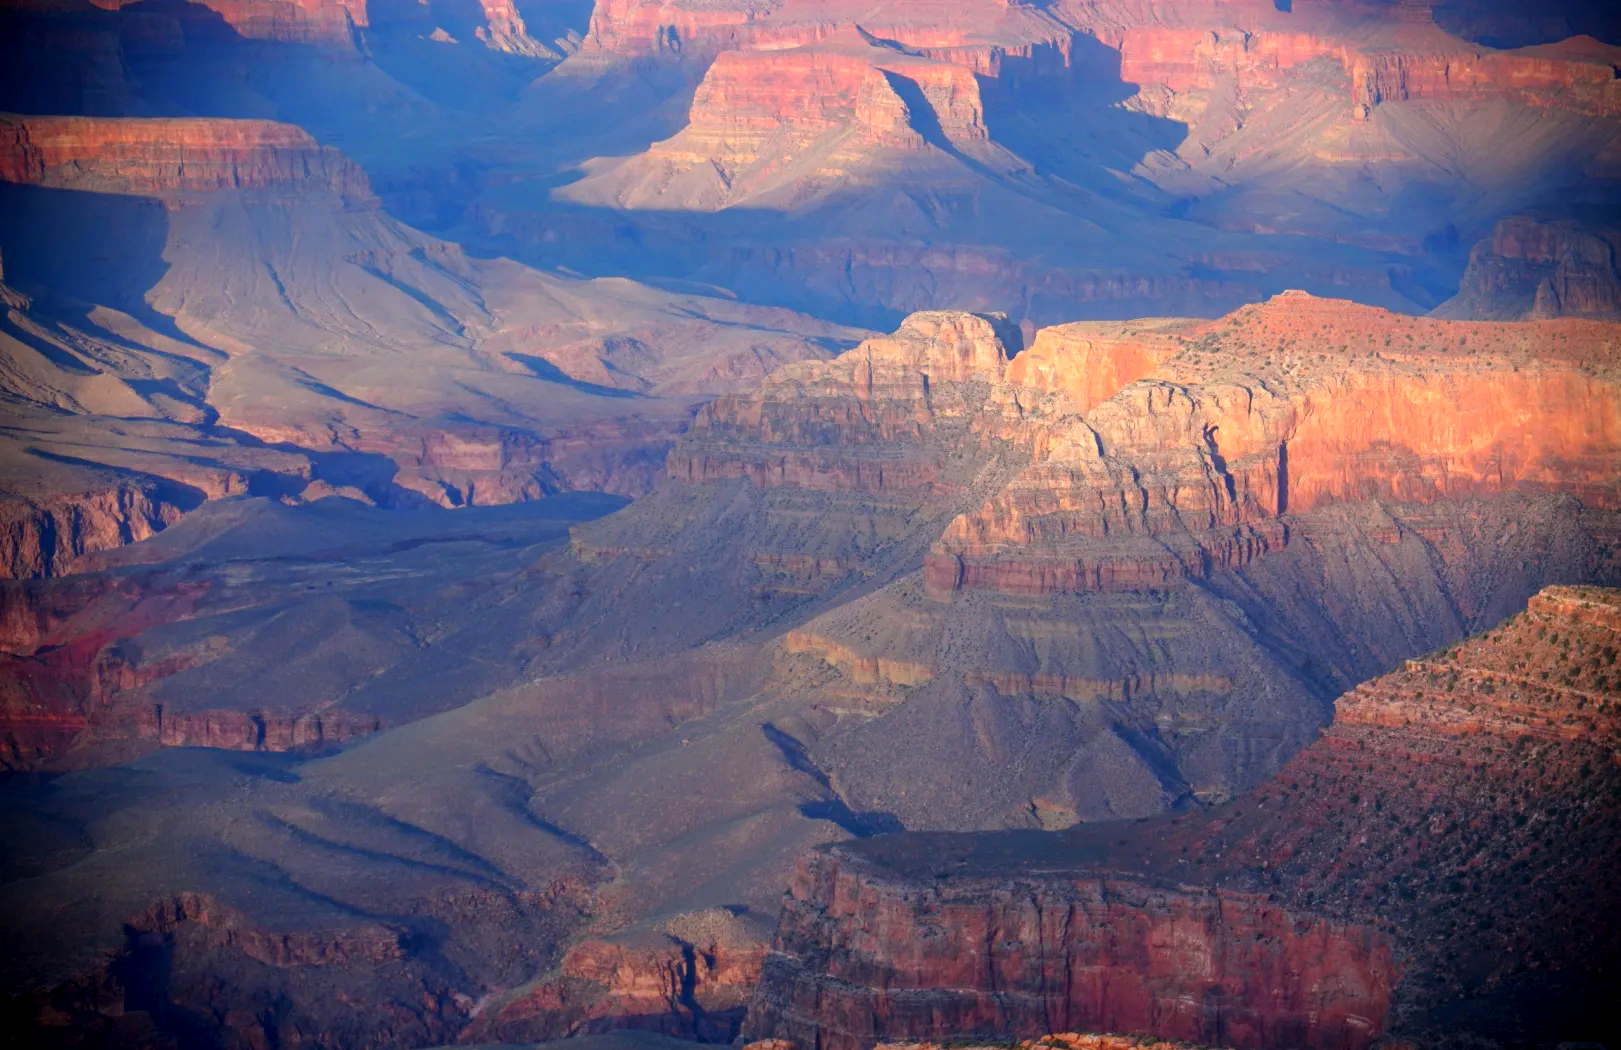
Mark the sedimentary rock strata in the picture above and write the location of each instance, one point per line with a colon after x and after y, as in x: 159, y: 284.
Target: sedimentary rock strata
x: 1400, y: 63
x: 691, y: 977
x: 979, y: 35
x: 183, y: 393
x: 971, y: 957
x: 329, y: 23
x: 1227, y: 108
x: 1536, y: 267
x: 167, y: 156
x: 758, y: 637
x: 1291, y: 406
x: 43, y: 536
x: 1430, y: 857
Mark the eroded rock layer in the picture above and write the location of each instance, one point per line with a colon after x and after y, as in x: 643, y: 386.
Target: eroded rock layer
x: 1286, y: 407
x: 329, y: 23
x: 1533, y: 267
x: 264, y: 328
x: 164, y: 157
x: 1431, y: 858
x: 757, y: 638
x: 975, y: 957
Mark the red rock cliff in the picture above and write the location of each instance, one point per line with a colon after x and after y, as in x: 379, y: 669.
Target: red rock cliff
x: 1286, y: 407
x: 980, y: 35
x: 169, y: 156
x: 41, y: 536
x: 1390, y: 63
x: 859, y: 957
x: 865, y: 421
x: 1533, y: 267
x: 691, y: 980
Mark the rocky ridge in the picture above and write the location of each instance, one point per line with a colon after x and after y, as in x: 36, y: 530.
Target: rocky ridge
x: 162, y: 157
x: 1361, y: 87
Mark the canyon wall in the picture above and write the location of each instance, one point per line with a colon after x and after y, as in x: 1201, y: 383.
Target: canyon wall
x: 42, y: 535
x: 1422, y: 869
x: 1552, y: 81
x: 1394, y: 64
x: 329, y: 23
x: 1307, y: 403
x: 864, y: 422
x: 162, y: 157
x: 1538, y: 267
x: 859, y: 958
x: 980, y: 36
x: 769, y: 124
x: 691, y: 979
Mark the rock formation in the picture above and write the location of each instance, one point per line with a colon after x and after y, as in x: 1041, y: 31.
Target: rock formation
x: 1533, y: 267
x: 691, y: 978
x: 302, y: 771
x: 1191, y: 472
x: 255, y: 326
x: 784, y: 126
x: 43, y: 536
x: 1402, y: 64
x: 165, y: 157
x: 1010, y: 956
x: 764, y: 637
x: 322, y: 22
x: 1420, y: 869
x: 807, y: 115
x: 980, y: 35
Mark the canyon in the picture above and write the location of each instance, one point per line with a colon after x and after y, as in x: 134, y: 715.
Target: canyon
x: 311, y: 392
x: 1419, y: 869
x: 767, y: 635
x: 820, y: 525
x: 1194, y: 123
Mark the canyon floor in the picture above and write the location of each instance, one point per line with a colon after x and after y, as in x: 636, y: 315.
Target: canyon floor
x: 817, y: 524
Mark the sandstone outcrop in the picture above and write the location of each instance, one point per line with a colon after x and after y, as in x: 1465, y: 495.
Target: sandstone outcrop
x: 504, y: 30
x: 981, y: 36
x: 786, y: 125
x: 227, y: 929
x: 1542, y: 77
x: 1419, y: 67
x: 1427, y: 859
x: 863, y: 422
x: 860, y: 959
x: 849, y: 458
